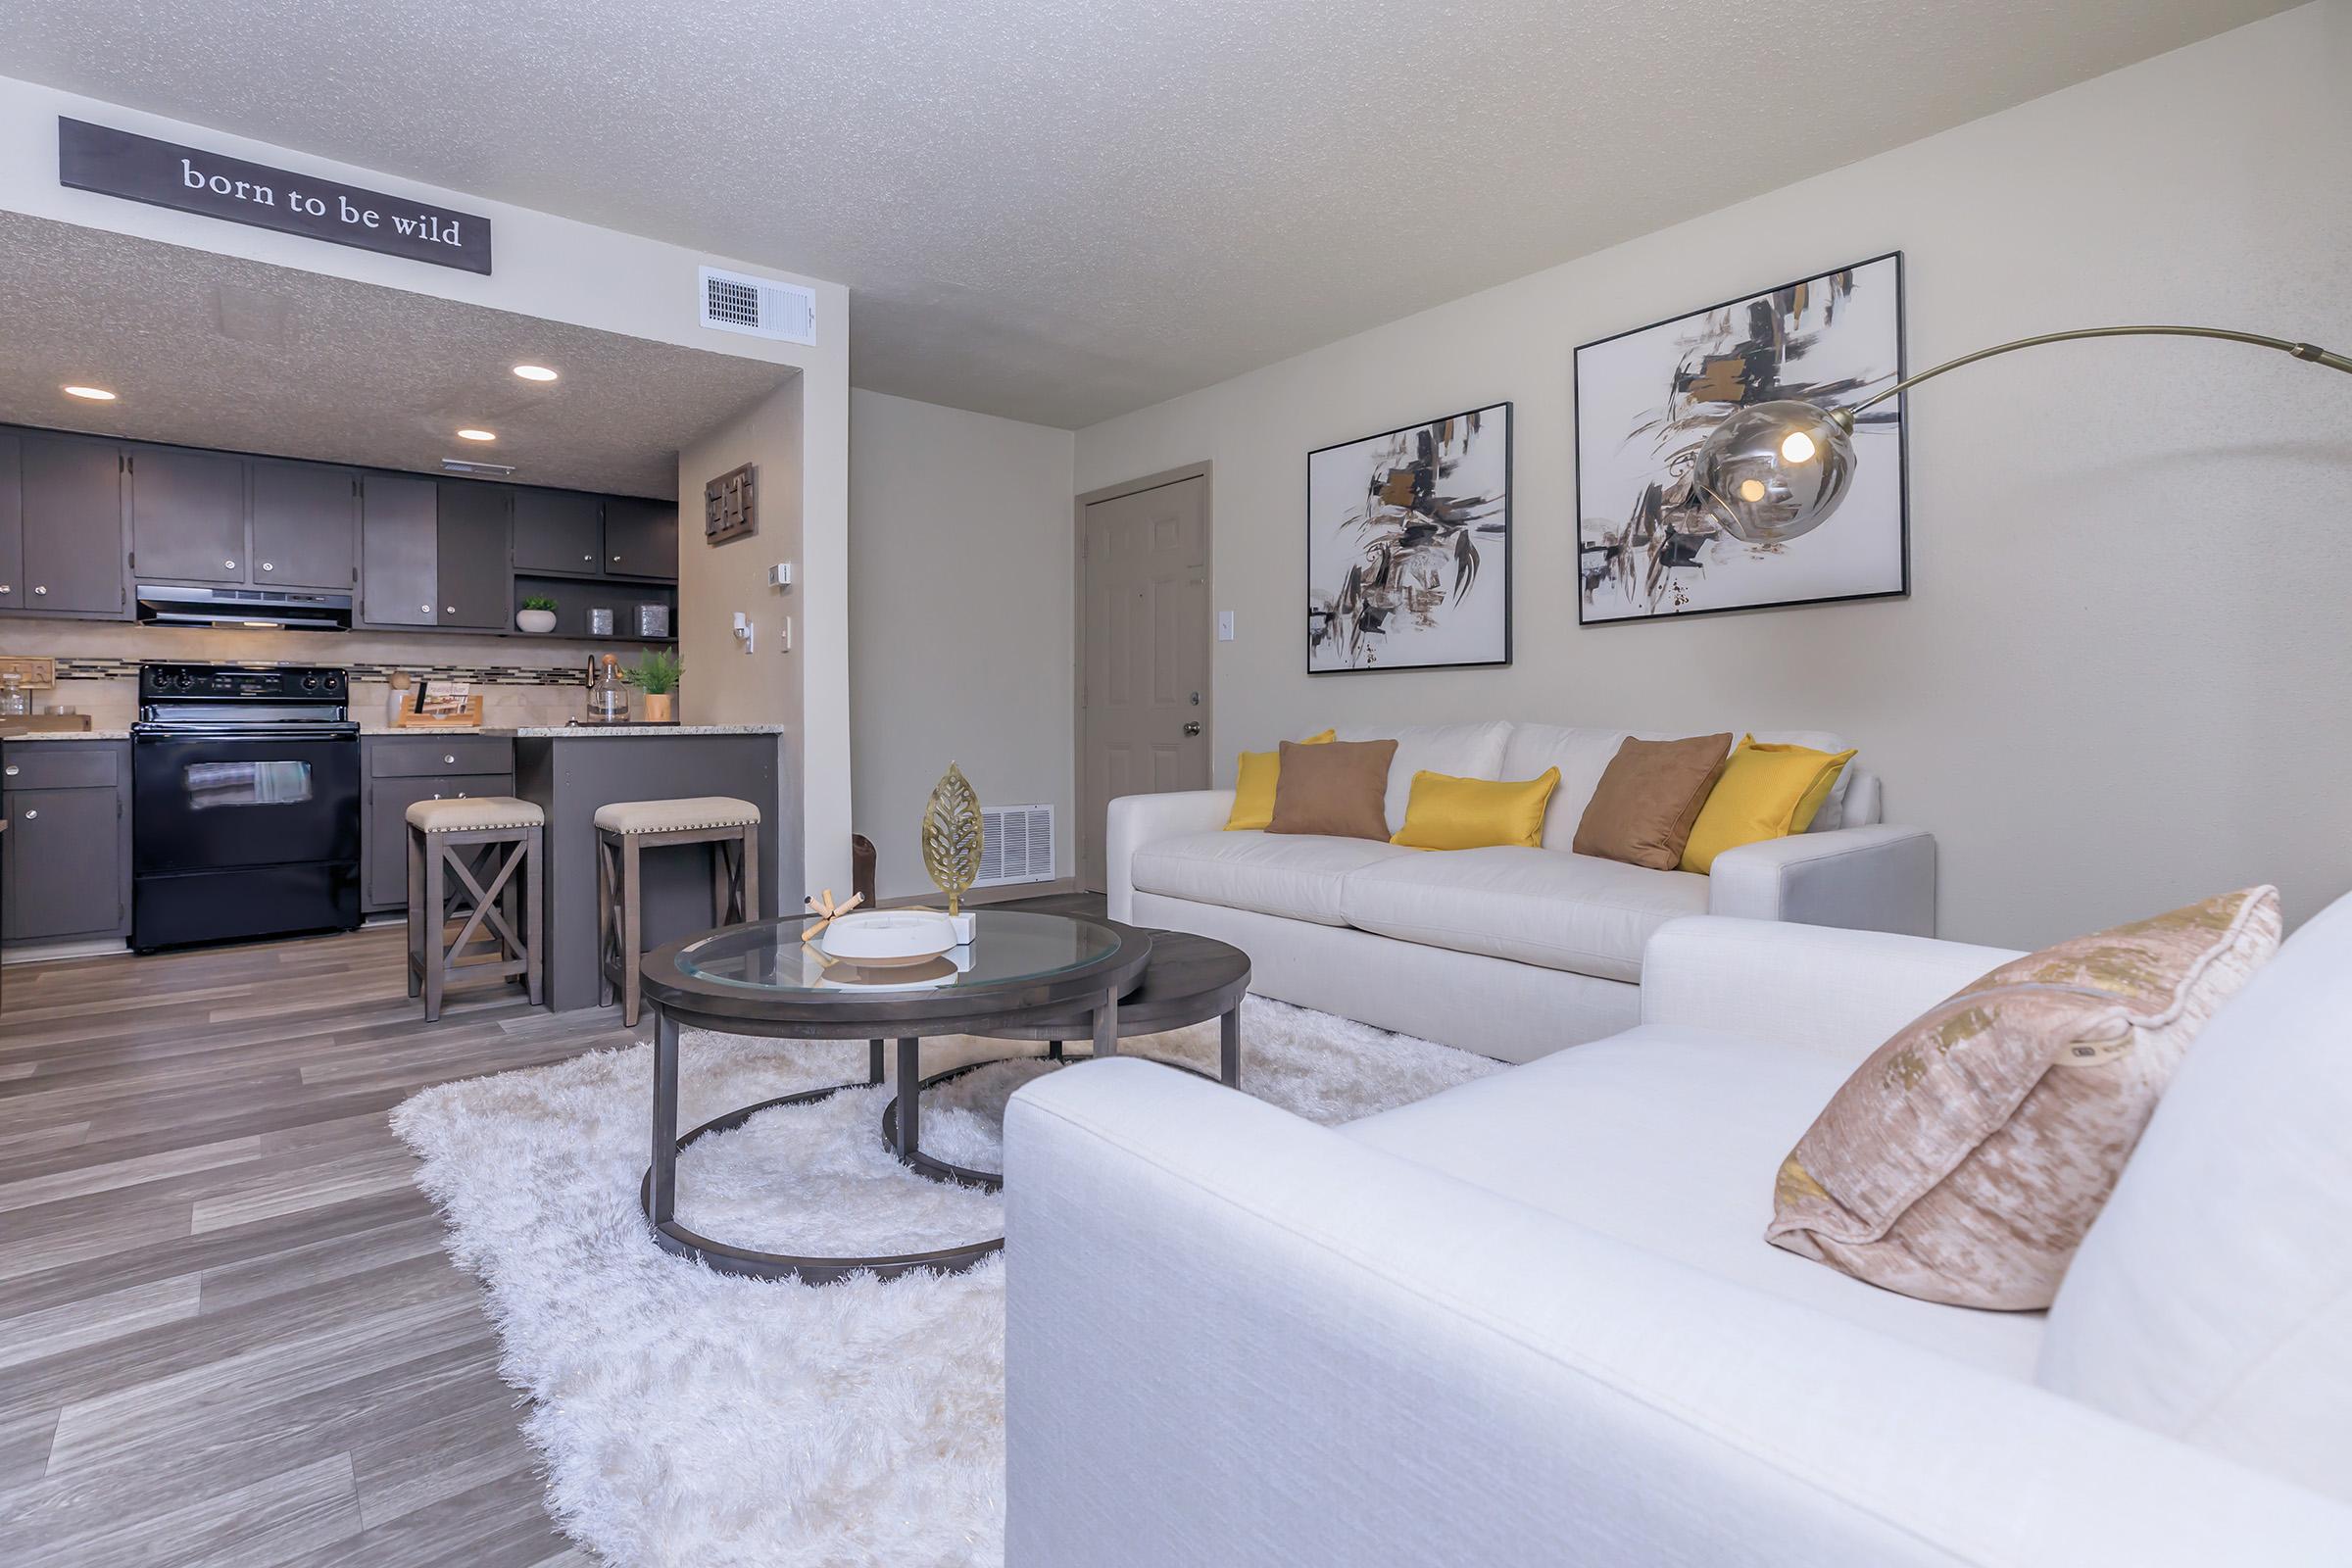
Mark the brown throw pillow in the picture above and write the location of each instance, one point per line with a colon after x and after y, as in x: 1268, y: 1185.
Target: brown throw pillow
x: 1648, y: 798
x: 1340, y: 788
x: 1968, y: 1157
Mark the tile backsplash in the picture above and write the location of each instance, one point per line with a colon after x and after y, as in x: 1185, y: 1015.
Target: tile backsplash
x: 522, y: 682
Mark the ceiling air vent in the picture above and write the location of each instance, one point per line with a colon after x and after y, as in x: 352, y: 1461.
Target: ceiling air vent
x: 1017, y: 845
x: 485, y: 471
x: 758, y: 307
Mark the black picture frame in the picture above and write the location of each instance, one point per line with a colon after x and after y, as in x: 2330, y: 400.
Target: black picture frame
x: 1902, y: 408
x: 1509, y: 539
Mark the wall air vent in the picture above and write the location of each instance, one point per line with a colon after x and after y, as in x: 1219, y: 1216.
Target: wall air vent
x: 1017, y: 845
x: 484, y: 470
x: 758, y: 307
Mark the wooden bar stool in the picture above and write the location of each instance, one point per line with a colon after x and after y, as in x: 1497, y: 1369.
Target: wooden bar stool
x: 731, y: 827
x: 490, y: 845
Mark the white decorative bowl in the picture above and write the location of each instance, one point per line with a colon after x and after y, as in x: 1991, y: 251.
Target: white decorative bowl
x: 538, y: 620
x: 881, y: 936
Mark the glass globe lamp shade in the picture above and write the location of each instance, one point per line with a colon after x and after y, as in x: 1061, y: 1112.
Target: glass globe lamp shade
x: 1773, y: 472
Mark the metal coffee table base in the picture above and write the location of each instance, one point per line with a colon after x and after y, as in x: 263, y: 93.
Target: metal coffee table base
x: 658, y: 1194
x: 902, y: 1132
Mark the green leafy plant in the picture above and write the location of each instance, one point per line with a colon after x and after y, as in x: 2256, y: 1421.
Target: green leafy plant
x: 538, y: 601
x: 656, y: 672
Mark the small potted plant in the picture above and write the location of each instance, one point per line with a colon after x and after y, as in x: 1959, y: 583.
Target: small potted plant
x: 656, y: 675
x: 538, y: 614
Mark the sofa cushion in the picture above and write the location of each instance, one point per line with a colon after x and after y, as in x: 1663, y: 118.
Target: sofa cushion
x: 1664, y: 1137
x: 1465, y: 751
x: 2212, y: 1299
x: 1296, y: 876
x: 1562, y: 911
x: 1652, y: 794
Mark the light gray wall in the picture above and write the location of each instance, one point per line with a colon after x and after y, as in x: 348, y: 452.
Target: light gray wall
x: 960, y: 613
x: 719, y: 683
x: 2120, y: 681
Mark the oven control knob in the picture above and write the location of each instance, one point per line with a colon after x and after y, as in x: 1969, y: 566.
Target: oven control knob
x: 310, y: 682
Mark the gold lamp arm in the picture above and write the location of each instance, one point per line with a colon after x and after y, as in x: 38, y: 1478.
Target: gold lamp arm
x: 2311, y: 352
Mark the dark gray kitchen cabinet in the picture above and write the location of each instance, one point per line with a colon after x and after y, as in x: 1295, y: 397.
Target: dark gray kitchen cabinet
x: 398, y: 549
x: 11, y: 519
x: 75, y: 551
x: 641, y: 538
x: 474, y: 554
x: 66, y: 855
x: 402, y: 771
x: 305, y: 525
x: 188, y: 514
x: 557, y: 533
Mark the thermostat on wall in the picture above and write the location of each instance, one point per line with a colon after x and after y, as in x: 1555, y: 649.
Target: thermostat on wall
x: 779, y: 575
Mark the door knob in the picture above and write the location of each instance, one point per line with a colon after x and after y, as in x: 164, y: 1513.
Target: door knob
x: 1192, y: 727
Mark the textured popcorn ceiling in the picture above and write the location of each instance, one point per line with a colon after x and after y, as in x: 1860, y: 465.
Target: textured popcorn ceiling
x: 1061, y: 210
x: 215, y: 350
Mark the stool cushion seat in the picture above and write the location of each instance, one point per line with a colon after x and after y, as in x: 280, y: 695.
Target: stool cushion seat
x: 475, y: 813
x: 676, y: 816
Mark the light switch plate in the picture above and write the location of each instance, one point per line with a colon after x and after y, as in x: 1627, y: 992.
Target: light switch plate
x: 1224, y: 626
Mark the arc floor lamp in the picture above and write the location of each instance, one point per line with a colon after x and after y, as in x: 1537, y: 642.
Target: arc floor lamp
x: 1777, y: 470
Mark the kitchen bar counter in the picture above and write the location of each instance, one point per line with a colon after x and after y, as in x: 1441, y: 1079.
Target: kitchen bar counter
x: 69, y: 735
x: 569, y: 772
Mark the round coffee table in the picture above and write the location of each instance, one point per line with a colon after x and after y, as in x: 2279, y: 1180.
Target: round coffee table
x: 1025, y: 976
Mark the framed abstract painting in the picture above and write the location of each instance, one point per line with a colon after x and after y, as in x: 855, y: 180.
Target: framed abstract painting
x: 1648, y: 548
x: 1409, y: 547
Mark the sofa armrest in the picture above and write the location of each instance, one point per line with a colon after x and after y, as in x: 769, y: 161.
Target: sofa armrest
x: 1140, y: 819
x: 1838, y: 993
x: 1864, y: 878
x: 1237, y: 1338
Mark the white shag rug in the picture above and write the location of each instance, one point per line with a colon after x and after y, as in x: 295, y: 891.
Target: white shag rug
x: 687, y: 1417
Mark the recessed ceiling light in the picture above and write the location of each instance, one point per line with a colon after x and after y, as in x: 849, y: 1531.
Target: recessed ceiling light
x: 96, y: 394
x: 478, y: 435
x: 534, y: 372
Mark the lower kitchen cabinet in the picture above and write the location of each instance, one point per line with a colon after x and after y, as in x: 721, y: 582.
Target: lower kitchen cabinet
x: 66, y: 855
x: 402, y: 771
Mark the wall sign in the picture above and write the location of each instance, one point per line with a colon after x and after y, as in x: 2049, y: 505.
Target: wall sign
x: 731, y: 506
x: 189, y: 179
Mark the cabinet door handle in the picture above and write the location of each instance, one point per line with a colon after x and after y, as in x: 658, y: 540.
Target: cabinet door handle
x: 39, y: 589
x: 31, y: 814
x: 616, y: 560
x: 3, y: 587
x: 587, y: 557
x: 11, y: 771
x: 450, y: 760
x: 268, y: 565
x: 450, y: 610
x: 427, y: 608
x: 230, y: 565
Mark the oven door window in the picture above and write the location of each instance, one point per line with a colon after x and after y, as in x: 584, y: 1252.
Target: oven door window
x: 214, y: 786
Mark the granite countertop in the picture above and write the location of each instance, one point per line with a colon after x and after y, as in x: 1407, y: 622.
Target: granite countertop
x: 563, y: 732
x: 69, y: 735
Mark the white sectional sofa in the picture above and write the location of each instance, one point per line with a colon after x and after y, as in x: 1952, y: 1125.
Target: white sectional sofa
x: 1507, y: 952
x: 1533, y: 1320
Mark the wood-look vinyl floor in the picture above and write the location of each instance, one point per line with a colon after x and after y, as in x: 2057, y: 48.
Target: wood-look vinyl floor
x: 229, y: 1335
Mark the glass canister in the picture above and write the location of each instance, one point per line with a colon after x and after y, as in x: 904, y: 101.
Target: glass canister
x: 14, y: 704
x: 607, y: 696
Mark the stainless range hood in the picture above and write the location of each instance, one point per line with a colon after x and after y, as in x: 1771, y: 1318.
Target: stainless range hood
x: 171, y: 605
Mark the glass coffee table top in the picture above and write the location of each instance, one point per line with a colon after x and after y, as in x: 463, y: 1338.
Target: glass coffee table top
x: 1008, y: 947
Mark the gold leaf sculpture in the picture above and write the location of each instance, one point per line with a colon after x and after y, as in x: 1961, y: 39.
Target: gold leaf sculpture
x: 953, y: 836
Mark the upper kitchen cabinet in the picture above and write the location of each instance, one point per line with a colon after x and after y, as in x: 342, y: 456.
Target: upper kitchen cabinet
x: 72, y: 524
x: 641, y: 538
x: 188, y: 514
x: 305, y: 523
x: 557, y: 533
x: 475, y: 565
x: 11, y: 519
x: 398, y: 549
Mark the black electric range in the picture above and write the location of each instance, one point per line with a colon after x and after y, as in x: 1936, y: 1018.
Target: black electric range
x: 245, y: 804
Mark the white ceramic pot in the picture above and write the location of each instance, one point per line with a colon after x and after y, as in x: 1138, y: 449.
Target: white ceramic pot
x: 539, y: 620
x: 888, y: 937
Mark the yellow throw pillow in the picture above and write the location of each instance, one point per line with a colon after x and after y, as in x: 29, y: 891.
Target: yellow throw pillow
x: 1766, y: 792
x: 1444, y: 813
x: 1254, y: 784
